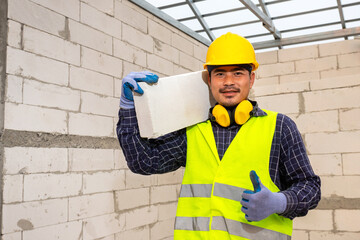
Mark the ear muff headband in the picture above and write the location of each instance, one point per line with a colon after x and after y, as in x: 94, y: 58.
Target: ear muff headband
x: 226, y: 117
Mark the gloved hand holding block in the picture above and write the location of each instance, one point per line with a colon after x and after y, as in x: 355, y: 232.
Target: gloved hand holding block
x: 173, y: 103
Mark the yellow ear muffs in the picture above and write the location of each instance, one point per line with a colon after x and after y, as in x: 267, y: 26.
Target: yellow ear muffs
x: 221, y: 115
x: 242, y: 112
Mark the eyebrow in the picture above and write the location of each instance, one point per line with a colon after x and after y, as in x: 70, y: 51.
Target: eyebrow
x: 232, y: 70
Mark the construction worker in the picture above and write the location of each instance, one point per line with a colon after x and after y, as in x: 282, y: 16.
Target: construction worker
x: 247, y: 174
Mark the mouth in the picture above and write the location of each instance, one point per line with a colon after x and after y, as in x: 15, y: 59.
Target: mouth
x: 229, y: 92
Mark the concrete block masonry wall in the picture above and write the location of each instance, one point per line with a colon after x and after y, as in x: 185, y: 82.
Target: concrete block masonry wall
x: 319, y: 88
x: 63, y: 174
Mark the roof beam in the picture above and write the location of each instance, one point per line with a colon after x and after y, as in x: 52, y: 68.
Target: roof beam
x: 201, y: 20
x: 308, y: 38
x: 165, y: 17
x: 267, y: 22
x: 341, y: 13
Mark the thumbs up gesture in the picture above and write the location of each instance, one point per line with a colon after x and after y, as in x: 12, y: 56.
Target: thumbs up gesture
x: 261, y: 202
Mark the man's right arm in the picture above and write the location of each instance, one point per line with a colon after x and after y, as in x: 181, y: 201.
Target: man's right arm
x: 149, y: 156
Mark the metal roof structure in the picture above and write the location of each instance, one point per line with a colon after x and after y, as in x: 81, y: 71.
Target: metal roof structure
x: 267, y: 24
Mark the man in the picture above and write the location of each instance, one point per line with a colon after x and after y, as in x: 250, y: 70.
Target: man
x: 247, y: 174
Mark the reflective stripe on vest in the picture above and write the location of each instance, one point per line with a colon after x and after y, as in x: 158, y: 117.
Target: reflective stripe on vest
x: 192, y: 223
x: 204, y: 190
x: 196, y: 190
x: 245, y: 230
x: 232, y: 227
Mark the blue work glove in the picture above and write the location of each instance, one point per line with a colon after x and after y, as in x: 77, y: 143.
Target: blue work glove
x: 261, y: 202
x: 130, y: 83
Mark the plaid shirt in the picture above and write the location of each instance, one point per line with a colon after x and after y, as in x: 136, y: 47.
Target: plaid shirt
x: 290, y: 168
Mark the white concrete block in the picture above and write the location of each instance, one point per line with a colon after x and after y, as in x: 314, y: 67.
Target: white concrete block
x: 137, y: 38
x: 173, y: 103
x: 49, y: 95
x: 91, y: 205
x: 64, y: 231
x: 37, y: 118
x: 42, y: 186
x: 14, y: 88
x: 12, y: 236
x: 14, y: 34
x: 139, y: 197
x: 90, y: 37
x: 131, y: 16
x: 104, y: 181
x: 69, y: 8
x: 142, y: 233
x: 141, y: 216
x: 12, y: 190
x: 82, y: 159
x: 129, y: 53
x: 29, y: 215
x: 35, y: 67
x: 38, y: 42
x: 101, y: 62
x: 99, y: 105
x: 100, y: 21
x: 106, y: 6
x: 97, y: 227
x: 98, y: 126
x: 23, y: 160
x: 33, y: 15
x: 83, y: 79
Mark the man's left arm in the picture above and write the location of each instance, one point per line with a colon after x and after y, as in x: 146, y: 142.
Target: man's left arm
x: 298, y: 182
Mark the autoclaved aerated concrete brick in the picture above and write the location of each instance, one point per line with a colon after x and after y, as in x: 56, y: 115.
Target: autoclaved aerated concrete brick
x: 132, y: 17
x: 68, y: 230
x: 315, y: 220
x: 90, y: 37
x: 14, y: 34
x: 12, y: 188
x: 38, y: 42
x: 85, y: 206
x: 99, y: 20
x: 28, y: 160
x: 105, y: 225
x: 106, y: 6
x: 81, y: 159
x: 23, y: 11
x: 41, y: 186
x: 37, y: 118
x: 173, y: 103
x: 29, y: 215
x: 33, y: 66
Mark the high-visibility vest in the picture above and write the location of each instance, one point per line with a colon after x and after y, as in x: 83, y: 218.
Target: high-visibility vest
x: 209, y: 202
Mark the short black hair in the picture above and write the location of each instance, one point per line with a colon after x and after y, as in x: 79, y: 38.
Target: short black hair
x: 247, y: 67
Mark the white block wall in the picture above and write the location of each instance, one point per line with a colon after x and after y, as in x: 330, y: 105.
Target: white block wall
x: 64, y: 65
x: 64, y: 175
x: 318, y: 86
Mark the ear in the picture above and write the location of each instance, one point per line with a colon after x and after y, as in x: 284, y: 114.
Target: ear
x: 252, y: 79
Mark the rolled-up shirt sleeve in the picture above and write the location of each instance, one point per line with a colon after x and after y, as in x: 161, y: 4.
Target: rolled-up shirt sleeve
x: 149, y: 156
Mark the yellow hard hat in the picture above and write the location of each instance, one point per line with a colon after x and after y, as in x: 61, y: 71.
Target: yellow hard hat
x: 231, y: 49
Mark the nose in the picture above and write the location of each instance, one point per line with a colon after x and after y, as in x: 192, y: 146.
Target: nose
x: 228, y: 79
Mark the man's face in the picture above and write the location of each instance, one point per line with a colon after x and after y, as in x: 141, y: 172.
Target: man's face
x: 230, y: 84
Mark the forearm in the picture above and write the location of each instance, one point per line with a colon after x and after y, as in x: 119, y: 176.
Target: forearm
x: 149, y: 156
x: 302, y: 197
x: 299, y: 183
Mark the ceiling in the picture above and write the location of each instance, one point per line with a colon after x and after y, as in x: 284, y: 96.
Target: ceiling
x: 267, y: 24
